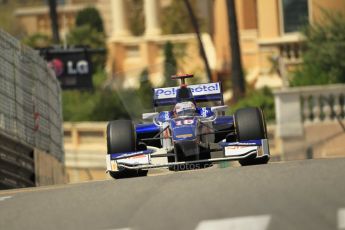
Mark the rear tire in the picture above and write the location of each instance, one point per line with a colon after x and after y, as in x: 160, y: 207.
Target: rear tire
x: 121, y: 137
x: 250, y: 125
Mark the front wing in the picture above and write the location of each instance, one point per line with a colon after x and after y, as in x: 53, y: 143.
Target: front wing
x: 157, y: 158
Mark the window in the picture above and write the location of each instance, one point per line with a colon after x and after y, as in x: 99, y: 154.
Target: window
x: 295, y: 15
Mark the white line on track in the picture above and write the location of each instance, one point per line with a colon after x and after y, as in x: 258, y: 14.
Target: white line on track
x: 341, y: 218
x: 238, y: 223
x: 5, y: 198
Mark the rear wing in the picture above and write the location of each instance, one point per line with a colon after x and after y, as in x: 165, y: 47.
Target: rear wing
x: 201, y: 92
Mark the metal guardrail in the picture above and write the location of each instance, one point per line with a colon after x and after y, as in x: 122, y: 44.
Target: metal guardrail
x: 30, y: 105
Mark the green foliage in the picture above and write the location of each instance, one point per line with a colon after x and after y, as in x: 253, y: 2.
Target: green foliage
x: 98, y: 105
x: 324, y: 60
x: 85, y: 35
x: 101, y: 104
x: 37, y: 40
x: 170, y: 64
x: 88, y: 31
x: 262, y: 98
x: 105, y: 104
x: 91, y: 17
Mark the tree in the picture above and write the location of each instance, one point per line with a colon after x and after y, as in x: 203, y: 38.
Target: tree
x: 324, y: 59
x: 170, y: 64
x: 54, y: 21
x: 98, y: 105
x: 145, y: 91
x: 87, y: 36
x: 90, y: 16
x: 89, y: 32
x: 175, y: 17
x: 238, y: 82
x: 197, y: 31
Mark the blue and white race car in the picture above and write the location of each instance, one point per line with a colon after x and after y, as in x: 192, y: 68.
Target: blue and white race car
x: 188, y: 136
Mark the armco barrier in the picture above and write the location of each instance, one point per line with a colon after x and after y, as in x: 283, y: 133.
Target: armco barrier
x: 30, y: 114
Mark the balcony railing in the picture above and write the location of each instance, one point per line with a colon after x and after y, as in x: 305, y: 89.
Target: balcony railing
x: 320, y: 104
x: 302, y: 105
x: 288, y: 51
x: 290, y: 48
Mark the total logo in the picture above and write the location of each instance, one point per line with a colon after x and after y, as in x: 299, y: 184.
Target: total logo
x: 197, y: 90
x: 80, y: 67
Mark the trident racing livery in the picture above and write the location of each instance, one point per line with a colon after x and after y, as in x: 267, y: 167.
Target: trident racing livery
x: 187, y: 136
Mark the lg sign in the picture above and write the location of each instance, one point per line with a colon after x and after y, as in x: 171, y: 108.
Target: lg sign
x: 80, y: 67
x: 72, y: 66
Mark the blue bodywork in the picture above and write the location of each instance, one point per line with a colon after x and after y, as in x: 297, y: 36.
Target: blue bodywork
x: 221, y: 123
x: 184, y: 129
x: 117, y: 156
x: 225, y: 121
x: 146, y: 128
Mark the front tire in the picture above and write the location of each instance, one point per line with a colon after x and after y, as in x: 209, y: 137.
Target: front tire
x: 121, y: 137
x: 128, y: 173
x: 250, y: 125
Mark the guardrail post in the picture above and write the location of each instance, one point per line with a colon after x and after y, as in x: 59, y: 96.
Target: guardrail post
x: 289, y: 127
x: 288, y: 114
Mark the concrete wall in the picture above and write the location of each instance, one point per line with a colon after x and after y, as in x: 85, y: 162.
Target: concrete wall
x: 30, y: 116
x: 49, y: 170
x: 326, y: 139
x: 322, y: 140
x: 85, y: 149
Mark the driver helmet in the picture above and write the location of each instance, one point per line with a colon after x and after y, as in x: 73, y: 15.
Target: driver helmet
x: 186, y: 108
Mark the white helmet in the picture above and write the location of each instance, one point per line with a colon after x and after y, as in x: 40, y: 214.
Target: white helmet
x: 186, y: 108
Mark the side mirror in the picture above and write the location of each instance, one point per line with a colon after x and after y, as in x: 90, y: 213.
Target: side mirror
x: 147, y: 116
x: 221, y: 108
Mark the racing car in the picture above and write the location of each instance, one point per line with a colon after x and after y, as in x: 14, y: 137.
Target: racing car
x: 187, y: 136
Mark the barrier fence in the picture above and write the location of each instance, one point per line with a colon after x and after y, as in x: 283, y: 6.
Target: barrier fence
x: 30, y: 111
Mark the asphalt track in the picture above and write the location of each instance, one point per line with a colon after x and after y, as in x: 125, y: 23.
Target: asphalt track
x: 293, y: 195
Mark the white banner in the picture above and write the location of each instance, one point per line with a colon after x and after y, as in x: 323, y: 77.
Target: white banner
x: 197, y: 90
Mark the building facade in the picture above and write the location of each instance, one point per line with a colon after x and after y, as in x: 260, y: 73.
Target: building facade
x: 270, y: 40
x: 268, y: 30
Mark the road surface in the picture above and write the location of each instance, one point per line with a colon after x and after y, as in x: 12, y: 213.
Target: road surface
x: 292, y: 195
